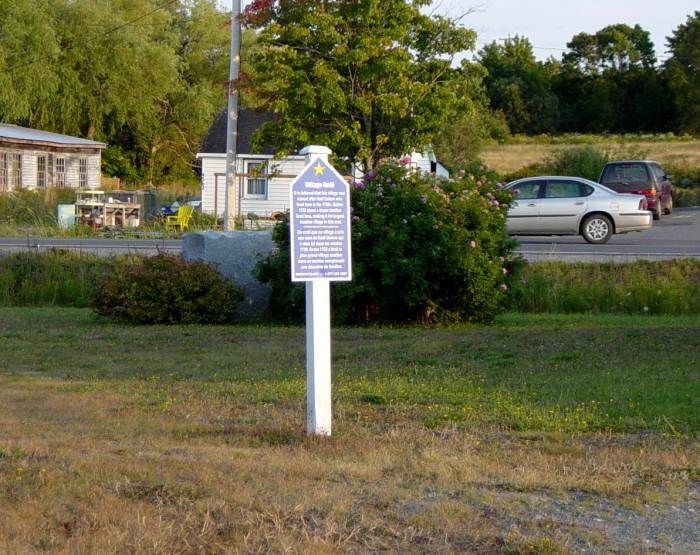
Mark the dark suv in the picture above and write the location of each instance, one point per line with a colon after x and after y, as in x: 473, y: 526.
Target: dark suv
x: 641, y: 177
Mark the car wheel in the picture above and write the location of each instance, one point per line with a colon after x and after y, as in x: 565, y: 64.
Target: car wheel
x: 669, y: 208
x: 657, y: 213
x: 597, y: 229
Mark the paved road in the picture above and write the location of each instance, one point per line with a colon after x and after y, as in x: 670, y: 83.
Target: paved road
x: 675, y: 236
x: 99, y: 247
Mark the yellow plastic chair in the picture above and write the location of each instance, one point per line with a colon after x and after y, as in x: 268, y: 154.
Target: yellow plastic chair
x: 181, y: 220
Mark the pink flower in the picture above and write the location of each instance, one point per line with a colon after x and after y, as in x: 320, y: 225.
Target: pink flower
x: 504, y: 270
x: 405, y: 160
x: 472, y: 244
x: 503, y: 287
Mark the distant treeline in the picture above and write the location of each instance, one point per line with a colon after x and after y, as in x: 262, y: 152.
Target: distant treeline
x: 607, y: 82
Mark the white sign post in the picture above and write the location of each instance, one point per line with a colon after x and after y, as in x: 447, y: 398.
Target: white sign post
x: 320, y: 248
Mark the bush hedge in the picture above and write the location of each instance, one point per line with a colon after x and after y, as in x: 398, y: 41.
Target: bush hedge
x: 165, y: 289
x: 424, y: 250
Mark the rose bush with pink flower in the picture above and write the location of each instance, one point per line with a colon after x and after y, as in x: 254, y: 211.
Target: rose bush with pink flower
x: 425, y: 249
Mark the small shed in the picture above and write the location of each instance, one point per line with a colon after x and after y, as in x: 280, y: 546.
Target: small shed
x: 35, y: 159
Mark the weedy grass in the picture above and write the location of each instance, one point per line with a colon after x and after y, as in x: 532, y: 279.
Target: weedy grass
x: 188, y: 438
x: 642, y: 287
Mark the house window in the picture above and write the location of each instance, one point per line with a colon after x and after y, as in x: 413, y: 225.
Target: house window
x: 256, y: 180
x: 83, y: 173
x: 17, y: 171
x: 60, y: 172
x: 41, y: 171
x: 3, y: 171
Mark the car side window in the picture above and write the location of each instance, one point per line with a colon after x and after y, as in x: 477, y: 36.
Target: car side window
x: 563, y: 189
x: 658, y: 172
x: 527, y: 190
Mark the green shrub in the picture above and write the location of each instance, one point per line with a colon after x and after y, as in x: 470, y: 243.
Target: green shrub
x: 643, y: 287
x: 424, y: 250
x: 166, y: 290
x: 58, y: 278
x: 686, y: 197
x: 585, y: 161
x: 683, y: 175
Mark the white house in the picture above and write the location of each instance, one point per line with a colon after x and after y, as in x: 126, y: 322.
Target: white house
x: 34, y: 159
x: 264, y: 187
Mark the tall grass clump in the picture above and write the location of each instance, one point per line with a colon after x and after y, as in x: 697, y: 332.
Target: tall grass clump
x: 33, y: 208
x: 642, y: 287
x: 52, y: 278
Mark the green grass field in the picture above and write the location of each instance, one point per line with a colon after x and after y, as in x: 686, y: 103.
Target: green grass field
x: 182, y: 439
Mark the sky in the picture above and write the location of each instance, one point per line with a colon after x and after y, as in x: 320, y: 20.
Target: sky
x: 550, y: 24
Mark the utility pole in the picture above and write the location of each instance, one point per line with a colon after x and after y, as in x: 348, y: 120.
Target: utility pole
x: 231, y: 206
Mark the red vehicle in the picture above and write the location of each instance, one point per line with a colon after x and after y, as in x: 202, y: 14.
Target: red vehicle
x: 641, y: 177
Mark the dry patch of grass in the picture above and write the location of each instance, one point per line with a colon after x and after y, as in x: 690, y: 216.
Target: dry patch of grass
x: 95, y: 471
x: 196, y: 444
x: 508, y: 158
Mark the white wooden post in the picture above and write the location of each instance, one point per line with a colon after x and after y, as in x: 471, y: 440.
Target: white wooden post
x: 318, y: 340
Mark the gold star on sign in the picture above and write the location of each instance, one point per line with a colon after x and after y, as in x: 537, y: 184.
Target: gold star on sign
x: 318, y: 168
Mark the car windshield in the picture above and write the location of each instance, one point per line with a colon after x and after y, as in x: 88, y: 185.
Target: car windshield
x: 626, y: 176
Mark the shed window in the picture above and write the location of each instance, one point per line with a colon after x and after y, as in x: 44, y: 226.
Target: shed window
x: 83, y: 173
x: 17, y: 171
x: 41, y: 171
x: 60, y: 172
x: 3, y: 171
x: 256, y: 180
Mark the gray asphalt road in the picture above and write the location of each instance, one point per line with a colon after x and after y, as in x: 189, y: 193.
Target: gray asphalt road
x: 675, y: 236
x: 99, y: 247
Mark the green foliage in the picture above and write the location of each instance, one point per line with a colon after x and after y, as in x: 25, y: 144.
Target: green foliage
x: 519, y: 86
x: 615, y: 47
x: 683, y: 74
x: 53, y: 278
x: 147, y: 81
x: 424, y: 250
x: 585, y: 161
x: 33, y: 208
x: 368, y: 79
x: 165, y: 289
x: 668, y: 287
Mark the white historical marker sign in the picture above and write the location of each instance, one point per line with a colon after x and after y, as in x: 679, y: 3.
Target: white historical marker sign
x: 321, y: 253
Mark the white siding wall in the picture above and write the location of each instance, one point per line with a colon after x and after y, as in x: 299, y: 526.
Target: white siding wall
x: 210, y: 167
x: 94, y: 171
x: 29, y: 169
x: 30, y: 166
x: 277, y: 199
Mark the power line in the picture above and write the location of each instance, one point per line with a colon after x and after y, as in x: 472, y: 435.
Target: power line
x: 94, y: 38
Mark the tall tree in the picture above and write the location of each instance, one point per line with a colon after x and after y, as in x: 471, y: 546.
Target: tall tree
x: 617, y: 47
x: 145, y: 76
x: 683, y: 71
x: 519, y: 86
x: 369, y: 78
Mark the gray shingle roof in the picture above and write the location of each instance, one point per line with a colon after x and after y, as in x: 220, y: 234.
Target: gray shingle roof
x: 249, y: 120
x: 16, y: 132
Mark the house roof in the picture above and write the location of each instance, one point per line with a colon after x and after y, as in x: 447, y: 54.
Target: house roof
x: 249, y: 120
x: 23, y: 134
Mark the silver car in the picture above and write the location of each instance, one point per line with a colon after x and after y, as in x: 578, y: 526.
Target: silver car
x: 573, y: 206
